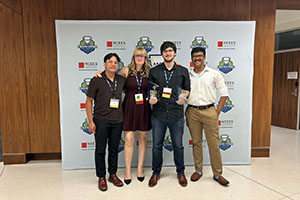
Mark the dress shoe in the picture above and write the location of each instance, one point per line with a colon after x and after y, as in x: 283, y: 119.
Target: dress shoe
x: 115, y: 180
x: 220, y: 179
x: 102, y: 184
x: 153, y: 180
x: 127, y: 181
x: 196, y: 176
x: 182, y: 180
x: 141, y: 179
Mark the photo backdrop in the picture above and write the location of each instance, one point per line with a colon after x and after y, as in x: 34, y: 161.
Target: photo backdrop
x: 81, y: 46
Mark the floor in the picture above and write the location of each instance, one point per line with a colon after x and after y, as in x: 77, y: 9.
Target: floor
x: 277, y: 177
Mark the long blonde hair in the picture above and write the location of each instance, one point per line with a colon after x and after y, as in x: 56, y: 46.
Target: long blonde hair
x: 146, y: 66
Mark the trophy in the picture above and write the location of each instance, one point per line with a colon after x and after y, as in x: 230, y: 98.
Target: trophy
x: 152, y: 90
x: 153, y: 93
x: 180, y: 95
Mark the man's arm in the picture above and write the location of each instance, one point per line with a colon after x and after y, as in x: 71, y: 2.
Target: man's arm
x: 89, y: 113
x: 124, y: 72
x: 187, y: 82
x: 223, y: 90
x: 221, y: 104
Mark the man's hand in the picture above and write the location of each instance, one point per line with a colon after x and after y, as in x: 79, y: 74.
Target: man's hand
x: 98, y: 74
x: 153, y: 100
x: 221, y: 104
x: 218, y: 111
x: 92, y: 127
x: 181, y: 99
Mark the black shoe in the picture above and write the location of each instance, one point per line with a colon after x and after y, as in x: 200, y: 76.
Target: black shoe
x: 128, y: 181
x: 141, y: 179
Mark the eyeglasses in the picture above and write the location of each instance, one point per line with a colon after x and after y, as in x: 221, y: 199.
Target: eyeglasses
x: 113, y: 62
x: 139, y: 56
x: 198, y: 56
x: 168, y: 51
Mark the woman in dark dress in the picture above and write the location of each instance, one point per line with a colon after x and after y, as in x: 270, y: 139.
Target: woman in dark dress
x: 136, y: 110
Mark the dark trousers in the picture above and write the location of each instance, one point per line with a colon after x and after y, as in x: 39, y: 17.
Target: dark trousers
x: 158, y: 133
x: 107, y: 132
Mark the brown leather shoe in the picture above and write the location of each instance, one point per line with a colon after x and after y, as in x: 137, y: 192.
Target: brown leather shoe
x: 195, y: 176
x: 221, y: 180
x: 182, y: 180
x: 102, y: 184
x: 115, y: 180
x: 153, y: 180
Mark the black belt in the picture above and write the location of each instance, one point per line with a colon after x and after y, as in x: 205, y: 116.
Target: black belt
x: 202, y: 107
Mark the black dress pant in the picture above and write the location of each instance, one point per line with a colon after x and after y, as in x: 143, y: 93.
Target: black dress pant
x: 107, y: 133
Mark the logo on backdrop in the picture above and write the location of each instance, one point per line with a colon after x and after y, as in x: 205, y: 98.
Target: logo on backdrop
x: 226, y: 123
x: 85, y: 127
x: 87, y: 146
x: 116, y: 45
x: 228, y: 106
x: 226, y: 45
x: 224, y: 142
x: 145, y: 43
x: 168, y: 143
x: 121, y: 145
x: 226, y: 65
x: 121, y: 65
x: 82, y: 106
x: 177, y: 43
x: 88, y: 66
x: 230, y: 84
x: 85, y: 85
x: 87, y: 45
x: 155, y: 59
x: 199, y: 41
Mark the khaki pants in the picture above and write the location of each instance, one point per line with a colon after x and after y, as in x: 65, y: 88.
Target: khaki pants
x: 207, y: 119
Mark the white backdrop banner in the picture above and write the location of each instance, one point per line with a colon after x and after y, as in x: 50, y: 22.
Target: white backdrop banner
x: 81, y: 46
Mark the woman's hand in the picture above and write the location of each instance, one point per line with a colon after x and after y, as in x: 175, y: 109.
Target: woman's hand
x: 98, y: 74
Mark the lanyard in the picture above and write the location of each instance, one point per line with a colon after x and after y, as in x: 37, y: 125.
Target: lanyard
x: 139, y: 83
x: 111, y: 89
x: 168, y: 79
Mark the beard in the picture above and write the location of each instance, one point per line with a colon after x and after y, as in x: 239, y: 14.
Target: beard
x: 168, y: 60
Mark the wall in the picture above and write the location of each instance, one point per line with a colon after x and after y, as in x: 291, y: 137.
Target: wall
x: 14, y: 114
x: 30, y: 103
x: 287, y: 20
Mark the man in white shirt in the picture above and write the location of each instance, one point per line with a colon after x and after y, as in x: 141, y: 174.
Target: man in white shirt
x: 202, y: 114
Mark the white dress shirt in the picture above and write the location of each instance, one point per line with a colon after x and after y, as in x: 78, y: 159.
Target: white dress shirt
x: 204, y: 85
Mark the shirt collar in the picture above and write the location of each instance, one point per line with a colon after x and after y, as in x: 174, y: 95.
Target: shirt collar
x: 173, y: 68
x: 105, y: 77
x: 206, y: 69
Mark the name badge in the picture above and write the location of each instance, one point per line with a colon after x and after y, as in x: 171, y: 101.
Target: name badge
x: 114, y: 103
x: 139, y: 98
x: 167, y: 92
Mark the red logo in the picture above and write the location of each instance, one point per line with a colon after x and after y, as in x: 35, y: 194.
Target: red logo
x: 190, y: 142
x: 220, y: 43
x: 81, y: 65
x: 137, y: 143
x: 82, y: 106
x: 219, y: 122
x: 109, y: 43
x: 83, y: 145
x: 191, y: 64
